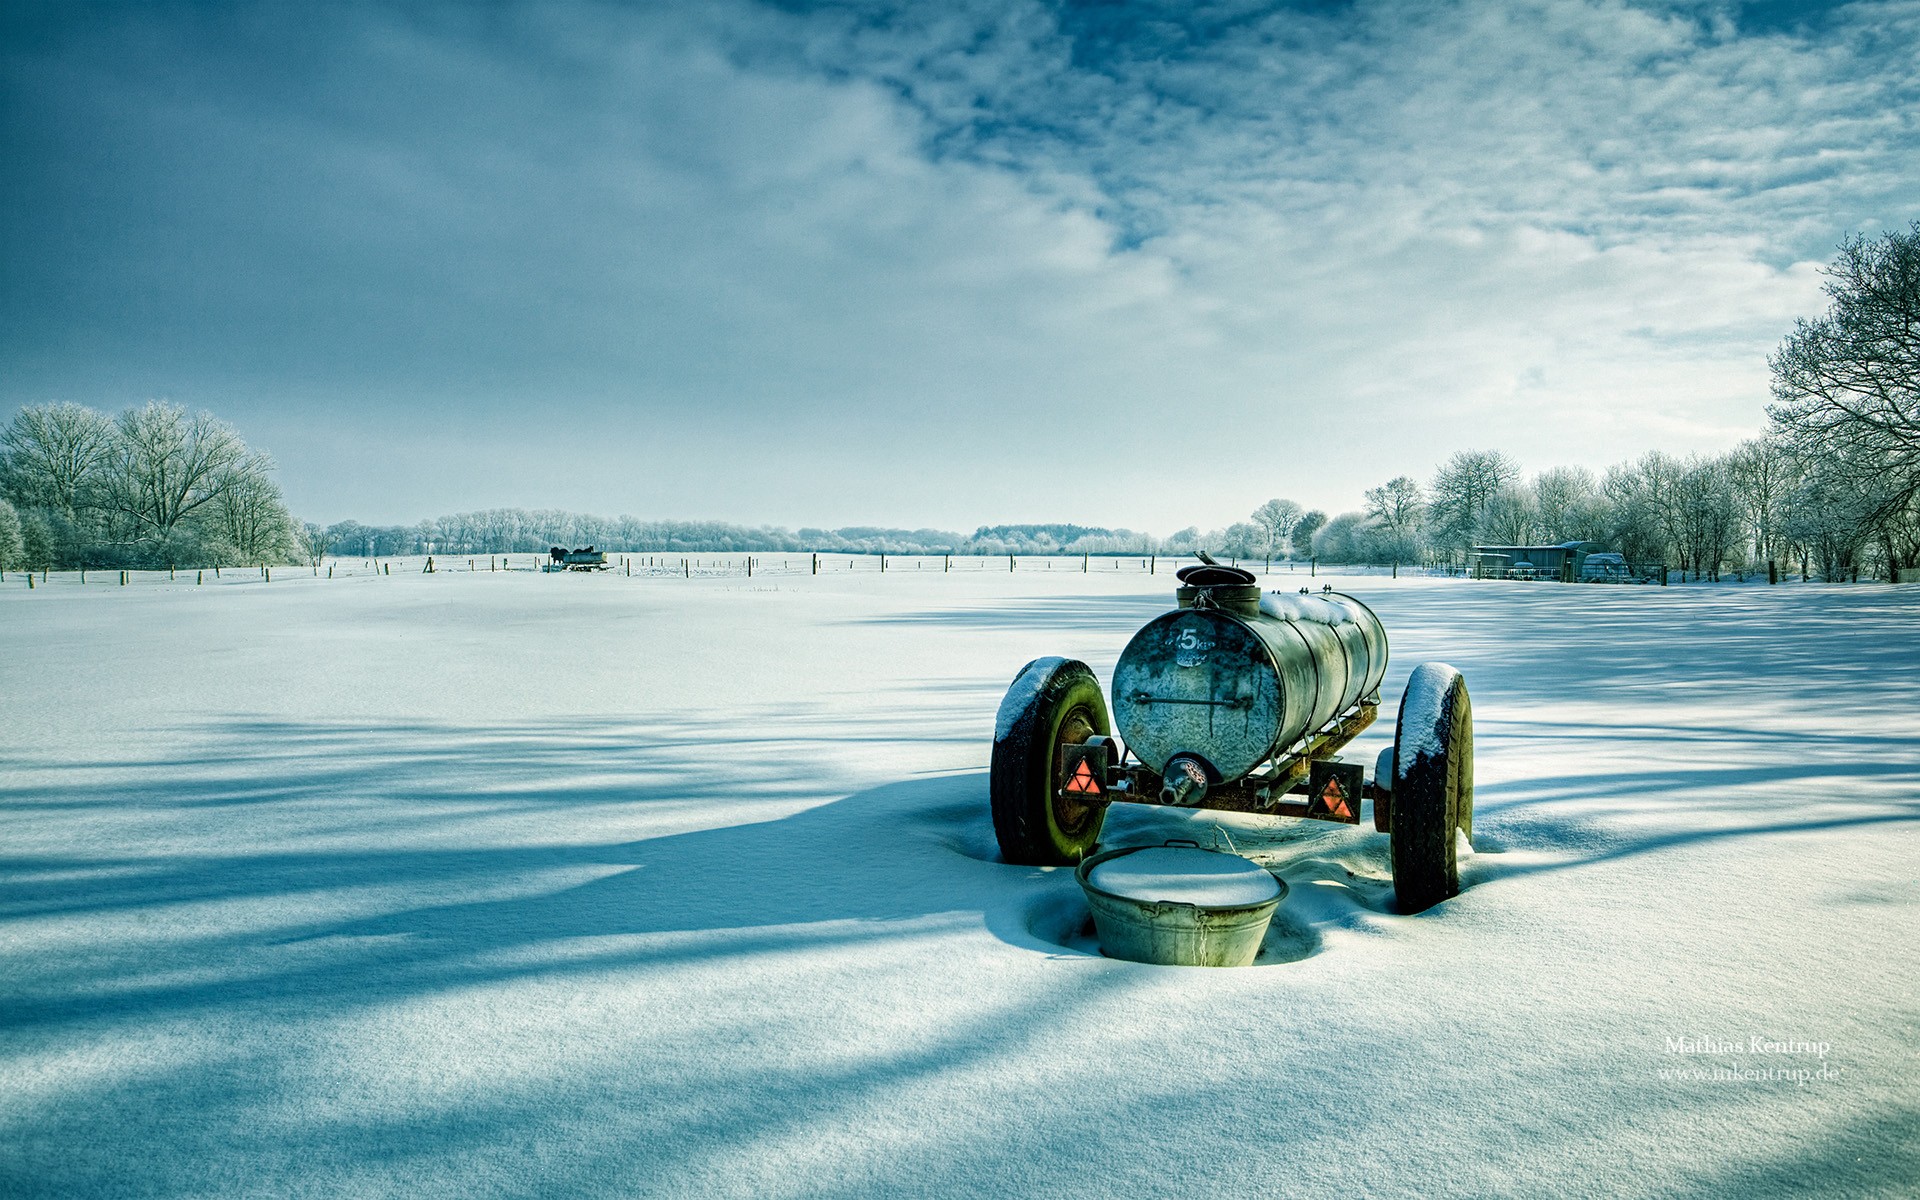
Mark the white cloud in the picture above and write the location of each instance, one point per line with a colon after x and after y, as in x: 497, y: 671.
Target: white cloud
x: 898, y: 260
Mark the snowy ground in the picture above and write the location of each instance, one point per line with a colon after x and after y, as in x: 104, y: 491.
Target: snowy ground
x: 503, y: 883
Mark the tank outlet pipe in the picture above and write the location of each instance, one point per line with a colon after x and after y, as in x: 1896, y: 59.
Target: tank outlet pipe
x: 1184, y: 782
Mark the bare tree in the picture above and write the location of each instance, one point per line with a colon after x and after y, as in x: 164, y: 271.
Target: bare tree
x: 1761, y: 474
x: 167, y: 465
x: 54, y: 456
x: 1847, y: 385
x: 1705, y: 514
x: 1276, y: 520
x: 1659, y: 495
x: 1629, y: 520
x: 318, y: 540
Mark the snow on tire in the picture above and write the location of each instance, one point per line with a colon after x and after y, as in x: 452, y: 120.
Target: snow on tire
x: 1432, y: 786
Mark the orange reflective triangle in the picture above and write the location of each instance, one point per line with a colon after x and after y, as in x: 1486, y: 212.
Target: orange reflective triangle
x: 1335, y: 799
x: 1083, y: 781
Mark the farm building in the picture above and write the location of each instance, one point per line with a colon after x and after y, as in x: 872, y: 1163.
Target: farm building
x: 1561, y: 563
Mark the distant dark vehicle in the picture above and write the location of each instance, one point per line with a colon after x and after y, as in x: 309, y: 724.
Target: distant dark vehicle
x: 1238, y: 701
x: 562, y: 559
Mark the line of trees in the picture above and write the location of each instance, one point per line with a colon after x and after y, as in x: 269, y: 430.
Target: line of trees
x: 154, y: 486
x: 1766, y: 501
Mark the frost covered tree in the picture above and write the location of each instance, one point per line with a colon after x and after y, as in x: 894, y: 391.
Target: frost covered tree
x: 250, y: 517
x: 1461, y: 491
x: 140, y: 488
x: 1397, y: 508
x: 1846, y: 386
x: 167, y: 465
x: 1344, y: 539
x: 13, y: 546
x: 1242, y: 539
x: 1831, y: 520
x: 1508, y: 519
x: 39, y: 547
x: 1304, y: 529
x: 54, y: 457
x: 1565, y: 504
x: 1276, y: 519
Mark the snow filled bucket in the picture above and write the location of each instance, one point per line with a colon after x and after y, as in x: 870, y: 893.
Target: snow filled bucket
x: 1179, y: 905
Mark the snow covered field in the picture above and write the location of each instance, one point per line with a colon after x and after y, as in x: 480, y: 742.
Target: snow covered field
x: 502, y: 883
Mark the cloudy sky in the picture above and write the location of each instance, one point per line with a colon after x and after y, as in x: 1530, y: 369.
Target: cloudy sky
x: 936, y: 263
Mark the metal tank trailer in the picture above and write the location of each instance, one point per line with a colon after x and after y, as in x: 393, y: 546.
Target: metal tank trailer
x: 1238, y: 701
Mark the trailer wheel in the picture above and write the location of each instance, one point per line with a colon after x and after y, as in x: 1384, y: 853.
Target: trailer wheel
x: 1052, y: 702
x: 1432, y: 786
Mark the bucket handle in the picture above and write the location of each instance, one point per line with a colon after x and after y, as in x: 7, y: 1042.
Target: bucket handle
x: 1182, y: 842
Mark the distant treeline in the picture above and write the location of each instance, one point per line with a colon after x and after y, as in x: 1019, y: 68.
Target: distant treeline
x: 534, y: 531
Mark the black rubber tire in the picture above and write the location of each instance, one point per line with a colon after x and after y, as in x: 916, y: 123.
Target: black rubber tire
x: 1432, y: 790
x: 1050, y: 701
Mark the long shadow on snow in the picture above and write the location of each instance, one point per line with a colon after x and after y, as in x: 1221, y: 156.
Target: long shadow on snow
x: 1837, y: 647
x: 845, y: 870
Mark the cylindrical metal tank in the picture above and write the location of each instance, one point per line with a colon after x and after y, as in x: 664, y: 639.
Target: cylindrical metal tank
x: 1235, y: 682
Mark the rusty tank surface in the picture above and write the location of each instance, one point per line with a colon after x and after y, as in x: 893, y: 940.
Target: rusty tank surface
x: 1231, y: 678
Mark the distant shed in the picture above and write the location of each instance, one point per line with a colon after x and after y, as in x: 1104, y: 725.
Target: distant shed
x: 1562, y: 563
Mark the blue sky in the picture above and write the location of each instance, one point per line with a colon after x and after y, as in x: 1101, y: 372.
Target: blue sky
x: 946, y: 264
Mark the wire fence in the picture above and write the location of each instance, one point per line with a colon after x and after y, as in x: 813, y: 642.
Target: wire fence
x: 678, y: 566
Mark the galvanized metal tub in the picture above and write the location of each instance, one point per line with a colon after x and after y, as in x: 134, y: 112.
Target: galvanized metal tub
x: 1181, y: 932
